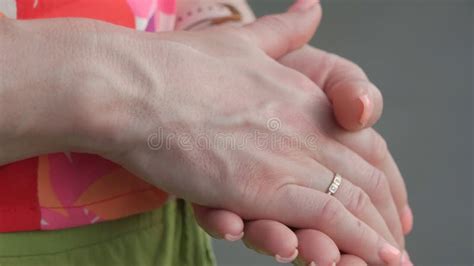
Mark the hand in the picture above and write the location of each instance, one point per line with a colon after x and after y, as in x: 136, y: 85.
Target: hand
x: 255, y: 182
x: 324, y: 69
x: 345, y: 83
x: 273, y: 238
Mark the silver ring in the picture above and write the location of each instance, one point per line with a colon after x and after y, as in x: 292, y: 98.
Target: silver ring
x: 336, y: 182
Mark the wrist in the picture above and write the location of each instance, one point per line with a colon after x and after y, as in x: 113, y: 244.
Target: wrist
x: 123, y: 89
x: 45, y: 95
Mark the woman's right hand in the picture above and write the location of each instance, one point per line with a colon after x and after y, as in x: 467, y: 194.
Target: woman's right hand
x: 212, y: 118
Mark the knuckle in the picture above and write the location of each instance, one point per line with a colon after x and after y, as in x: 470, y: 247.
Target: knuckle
x: 331, y: 211
x: 379, y: 189
x: 349, y: 66
x: 358, y: 201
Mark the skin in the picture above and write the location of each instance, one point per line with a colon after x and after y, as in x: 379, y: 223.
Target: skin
x: 366, y: 143
x: 344, y: 83
x: 115, y: 113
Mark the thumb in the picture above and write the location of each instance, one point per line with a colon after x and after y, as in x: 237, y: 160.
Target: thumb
x: 280, y: 34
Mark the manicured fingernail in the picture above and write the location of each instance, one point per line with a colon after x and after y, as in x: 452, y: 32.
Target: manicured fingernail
x: 407, y: 220
x: 233, y: 238
x: 302, y: 5
x: 281, y: 259
x: 367, y: 109
x: 390, y: 254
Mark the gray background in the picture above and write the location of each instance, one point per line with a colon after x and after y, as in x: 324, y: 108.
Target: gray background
x: 420, y: 54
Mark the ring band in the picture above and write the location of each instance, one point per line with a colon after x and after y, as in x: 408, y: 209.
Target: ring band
x: 336, y: 182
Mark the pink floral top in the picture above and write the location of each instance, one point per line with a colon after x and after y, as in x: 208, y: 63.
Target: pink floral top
x: 63, y: 190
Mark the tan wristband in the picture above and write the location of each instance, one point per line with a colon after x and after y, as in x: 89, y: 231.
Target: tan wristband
x: 195, y: 16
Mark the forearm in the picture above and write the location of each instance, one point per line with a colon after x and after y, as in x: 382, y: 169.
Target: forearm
x: 45, y: 88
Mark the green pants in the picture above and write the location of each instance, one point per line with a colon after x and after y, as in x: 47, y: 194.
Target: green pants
x: 165, y: 237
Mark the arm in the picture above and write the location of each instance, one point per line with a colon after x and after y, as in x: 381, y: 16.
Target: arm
x: 69, y: 84
x: 40, y: 111
x: 127, y: 87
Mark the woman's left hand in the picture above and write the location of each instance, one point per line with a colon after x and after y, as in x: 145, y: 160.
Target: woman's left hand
x: 345, y: 84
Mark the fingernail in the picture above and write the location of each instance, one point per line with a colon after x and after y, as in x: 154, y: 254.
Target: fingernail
x: 367, y: 109
x: 281, y: 259
x: 233, y: 238
x: 407, y: 220
x: 390, y: 254
x: 312, y: 263
x: 302, y: 5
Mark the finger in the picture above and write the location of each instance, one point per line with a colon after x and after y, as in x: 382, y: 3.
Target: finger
x: 264, y: 236
x: 316, y: 248
x: 369, y: 178
x: 351, y: 260
x: 354, y: 199
x: 271, y: 238
x: 282, y: 33
x: 220, y: 224
x: 373, y: 148
x: 302, y: 207
x: 399, y: 192
x: 357, y: 102
x: 353, y: 103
